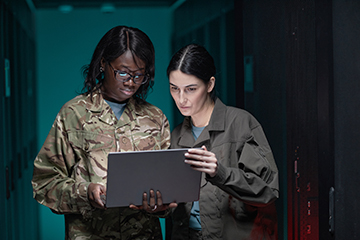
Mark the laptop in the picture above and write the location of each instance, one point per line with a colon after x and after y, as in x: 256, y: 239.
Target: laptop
x: 130, y: 174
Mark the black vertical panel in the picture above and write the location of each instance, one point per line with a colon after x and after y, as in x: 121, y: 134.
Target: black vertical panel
x: 302, y: 123
x: 214, y: 49
x: 309, y: 118
x: 346, y: 36
x: 325, y: 106
x: 239, y: 53
x: 230, y: 59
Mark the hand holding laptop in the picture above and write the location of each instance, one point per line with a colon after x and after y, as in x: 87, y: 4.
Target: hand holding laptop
x: 155, y: 204
x: 202, y: 160
x: 95, y: 194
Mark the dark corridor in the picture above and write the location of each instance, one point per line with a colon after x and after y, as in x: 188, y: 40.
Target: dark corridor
x: 295, y: 65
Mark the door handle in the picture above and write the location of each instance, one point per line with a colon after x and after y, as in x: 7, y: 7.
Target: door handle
x: 331, y: 210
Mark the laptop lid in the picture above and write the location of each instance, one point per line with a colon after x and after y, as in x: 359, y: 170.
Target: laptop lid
x: 130, y: 174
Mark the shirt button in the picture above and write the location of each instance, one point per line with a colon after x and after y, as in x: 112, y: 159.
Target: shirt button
x: 124, y: 140
x: 87, y: 145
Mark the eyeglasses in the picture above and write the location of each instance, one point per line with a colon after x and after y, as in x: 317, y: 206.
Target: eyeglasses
x: 125, y: 76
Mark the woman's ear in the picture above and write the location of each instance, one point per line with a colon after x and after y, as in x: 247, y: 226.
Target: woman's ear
x: 102, y: 63
x: 211, y: 84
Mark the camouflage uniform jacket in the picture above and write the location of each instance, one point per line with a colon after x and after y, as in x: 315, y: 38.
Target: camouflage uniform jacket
x: 75, y: 154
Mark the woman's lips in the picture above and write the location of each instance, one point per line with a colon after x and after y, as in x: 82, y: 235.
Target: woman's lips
x: 127, y: 91
x: 184, y: 108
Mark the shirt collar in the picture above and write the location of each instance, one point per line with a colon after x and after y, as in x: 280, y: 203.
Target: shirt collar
x: 216, y: 123
x: 98, y: 106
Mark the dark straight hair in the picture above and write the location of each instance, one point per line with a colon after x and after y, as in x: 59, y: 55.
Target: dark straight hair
x: 195, y: 60
x: 111, y: 46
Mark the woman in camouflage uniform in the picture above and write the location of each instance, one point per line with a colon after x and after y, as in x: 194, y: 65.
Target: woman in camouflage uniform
x: 111, y: 115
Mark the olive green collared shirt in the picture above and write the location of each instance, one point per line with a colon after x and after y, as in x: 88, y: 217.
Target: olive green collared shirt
x: 238, y: 202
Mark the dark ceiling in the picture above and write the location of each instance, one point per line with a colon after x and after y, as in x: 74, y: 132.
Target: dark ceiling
x: 41, y: 4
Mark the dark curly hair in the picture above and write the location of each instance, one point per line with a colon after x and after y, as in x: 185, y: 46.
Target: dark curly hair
x: 111, y: 46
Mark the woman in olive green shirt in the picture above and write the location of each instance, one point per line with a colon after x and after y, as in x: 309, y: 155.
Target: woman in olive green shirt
x: 240, y: 177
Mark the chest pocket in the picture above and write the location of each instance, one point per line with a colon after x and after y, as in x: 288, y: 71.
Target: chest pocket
x: 87, y: 144
x: 147, y: 143
x: 145, y: 137
x: 91, y: 151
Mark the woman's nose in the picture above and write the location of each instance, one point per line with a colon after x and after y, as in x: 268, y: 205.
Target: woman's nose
x: 129, y: 82
x: 182, y: 98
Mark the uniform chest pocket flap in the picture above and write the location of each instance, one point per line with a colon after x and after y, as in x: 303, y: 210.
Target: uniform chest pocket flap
x: 90, y: 142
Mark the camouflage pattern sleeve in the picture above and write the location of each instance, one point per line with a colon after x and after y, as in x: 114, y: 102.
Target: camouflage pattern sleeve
x: 165, y: 144
x: 165, y: 133
x: 52, y: 182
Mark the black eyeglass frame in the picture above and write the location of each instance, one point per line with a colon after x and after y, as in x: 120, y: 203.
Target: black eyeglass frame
x: 132, y: 77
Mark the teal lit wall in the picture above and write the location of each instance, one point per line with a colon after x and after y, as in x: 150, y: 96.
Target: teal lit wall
x: 64, y: 43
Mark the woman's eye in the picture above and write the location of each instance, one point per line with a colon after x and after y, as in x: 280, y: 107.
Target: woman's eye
x: 173, y: 88
x: 138, y: 76
x: 191, y: 89
x: 122, y: 74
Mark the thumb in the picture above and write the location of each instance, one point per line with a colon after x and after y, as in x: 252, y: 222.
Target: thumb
x: 103, y: 190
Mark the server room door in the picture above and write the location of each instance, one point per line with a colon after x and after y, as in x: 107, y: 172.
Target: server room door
x: 309, y: 119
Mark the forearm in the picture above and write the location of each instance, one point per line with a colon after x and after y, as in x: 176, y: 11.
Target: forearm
x: 53, y: 183
x: 60, y: 193
x: 165, y: 133
x: 247, y: 187
x: 253, y: 176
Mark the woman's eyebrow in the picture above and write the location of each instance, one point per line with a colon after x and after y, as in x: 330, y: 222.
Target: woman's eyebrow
x: 190, y: 85
x: 139, y: 69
